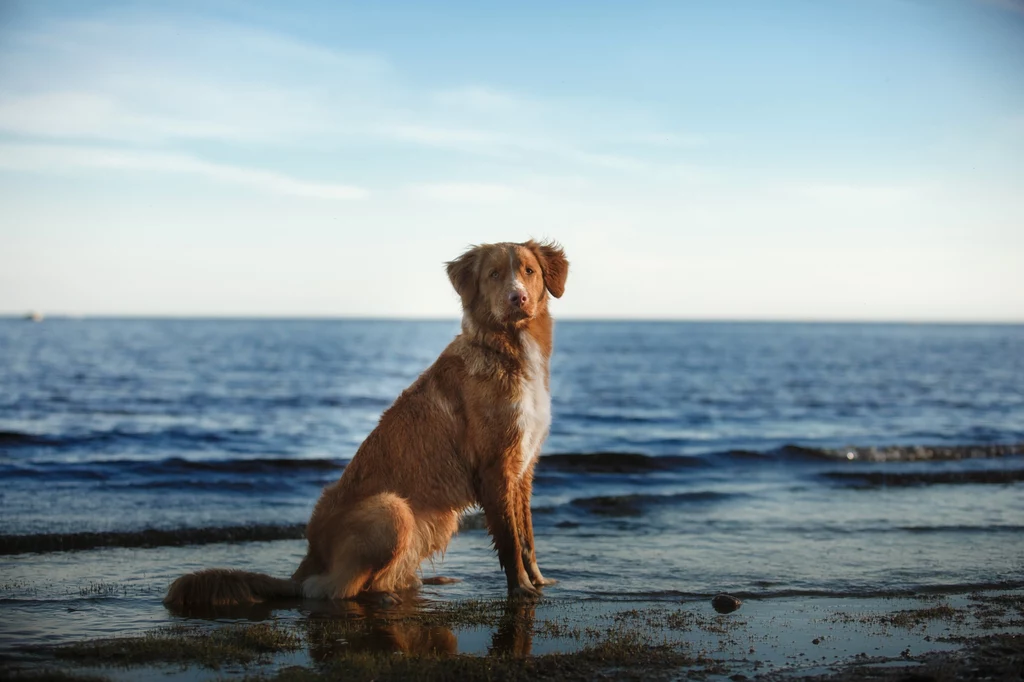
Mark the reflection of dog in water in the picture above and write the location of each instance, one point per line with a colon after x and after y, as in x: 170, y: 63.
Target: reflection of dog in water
x: 340, y: 627
x: 347, y: 627
x: 468, y: 431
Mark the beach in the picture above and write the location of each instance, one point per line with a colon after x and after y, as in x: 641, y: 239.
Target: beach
x: 856, y: 487
x: 97, y: 614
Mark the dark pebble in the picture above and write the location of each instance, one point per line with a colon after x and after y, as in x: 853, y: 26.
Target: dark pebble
x: 724, y: 603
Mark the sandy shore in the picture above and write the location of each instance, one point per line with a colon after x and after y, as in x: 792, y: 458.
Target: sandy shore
x: 944, y: 636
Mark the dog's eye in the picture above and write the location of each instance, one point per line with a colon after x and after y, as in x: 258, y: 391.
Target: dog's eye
x: 529, y: 271
x: 494, y: 274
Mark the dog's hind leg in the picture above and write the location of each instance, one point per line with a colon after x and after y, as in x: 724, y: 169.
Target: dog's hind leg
x: 399, y: 541
x: 377, y: 553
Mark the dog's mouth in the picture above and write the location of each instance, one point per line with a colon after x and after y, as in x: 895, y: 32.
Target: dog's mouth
x: 514, y: 314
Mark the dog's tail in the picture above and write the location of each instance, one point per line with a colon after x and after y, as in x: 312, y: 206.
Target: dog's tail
x: 227, y: 587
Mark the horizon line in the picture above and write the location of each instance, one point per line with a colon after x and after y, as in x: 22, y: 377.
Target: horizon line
x: 227, y: 317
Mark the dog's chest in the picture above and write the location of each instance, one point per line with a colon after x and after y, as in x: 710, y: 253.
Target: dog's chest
x: 534, y: 406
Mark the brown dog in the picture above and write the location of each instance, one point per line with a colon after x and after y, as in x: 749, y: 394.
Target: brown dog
x: 468, y: 431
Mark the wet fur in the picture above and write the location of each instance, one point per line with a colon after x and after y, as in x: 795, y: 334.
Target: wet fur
x: 467, y: 432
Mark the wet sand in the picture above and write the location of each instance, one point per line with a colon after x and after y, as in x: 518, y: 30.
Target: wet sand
x: 958, y: 635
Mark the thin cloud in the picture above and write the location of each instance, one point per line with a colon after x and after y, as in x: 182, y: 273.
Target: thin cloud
x: 67, y: 159
x: 92, y: 115
x: 489, y: 101
x: 151, y: 89
x: 664, y: 139
x: 466, y: 192
x: 856, y: 194
x: 509, y: 147
x: 159, y: 82
x: 440, y: 136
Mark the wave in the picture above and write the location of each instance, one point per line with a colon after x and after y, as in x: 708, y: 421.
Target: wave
x: 551, y: 465
x: 180, y: 438
x: 631, y: 462
x: 13, y: 439
x: 256, y: 465
x: 961, y: 528
x: 861, y: 592
x: 8, y: 438
x: 914, y: 453
x: 184, y: 438
x: 66, y: 542
x: 636, y: 504
x: 906, y: 479
x: 104, y: 468
x: 638, y: 463
x: 615, y: 463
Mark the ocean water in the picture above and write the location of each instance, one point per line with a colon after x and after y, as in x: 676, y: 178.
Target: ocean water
x: 684, y: 459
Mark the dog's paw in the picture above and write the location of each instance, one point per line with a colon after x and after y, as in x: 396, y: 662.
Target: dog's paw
x: 541, y: 581
x: 413, y: 583
x: 380, y: 599
x: 523, y: 592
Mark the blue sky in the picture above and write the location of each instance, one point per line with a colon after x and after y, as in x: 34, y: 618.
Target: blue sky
x: 752, y: 160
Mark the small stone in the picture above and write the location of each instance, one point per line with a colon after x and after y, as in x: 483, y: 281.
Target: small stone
x: 725, y: 603
x: 816, y: 640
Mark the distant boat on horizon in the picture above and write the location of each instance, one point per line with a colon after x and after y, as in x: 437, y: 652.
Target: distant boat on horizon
x: 34, y: 316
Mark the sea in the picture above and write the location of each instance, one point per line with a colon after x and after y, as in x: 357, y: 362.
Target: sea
x: 685, y: 458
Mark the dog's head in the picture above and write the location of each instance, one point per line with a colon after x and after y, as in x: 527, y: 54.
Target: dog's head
x: 507, y: 284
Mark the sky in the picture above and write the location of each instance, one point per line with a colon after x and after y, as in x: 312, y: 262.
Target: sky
x: 789, y: 160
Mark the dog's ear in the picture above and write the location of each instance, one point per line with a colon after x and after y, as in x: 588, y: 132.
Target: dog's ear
x: 463, y: 273
x: 553, y: 263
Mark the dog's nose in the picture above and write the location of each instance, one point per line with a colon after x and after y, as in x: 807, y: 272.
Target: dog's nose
x: 517, y: 298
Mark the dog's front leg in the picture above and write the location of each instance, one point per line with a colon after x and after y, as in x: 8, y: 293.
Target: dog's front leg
x: 499, y: 496
x: 526, y: 531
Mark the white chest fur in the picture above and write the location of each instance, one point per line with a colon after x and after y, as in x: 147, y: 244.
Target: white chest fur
x: 534, y: 405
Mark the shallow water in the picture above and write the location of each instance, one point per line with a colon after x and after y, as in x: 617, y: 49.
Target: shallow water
x: 761, y: 459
